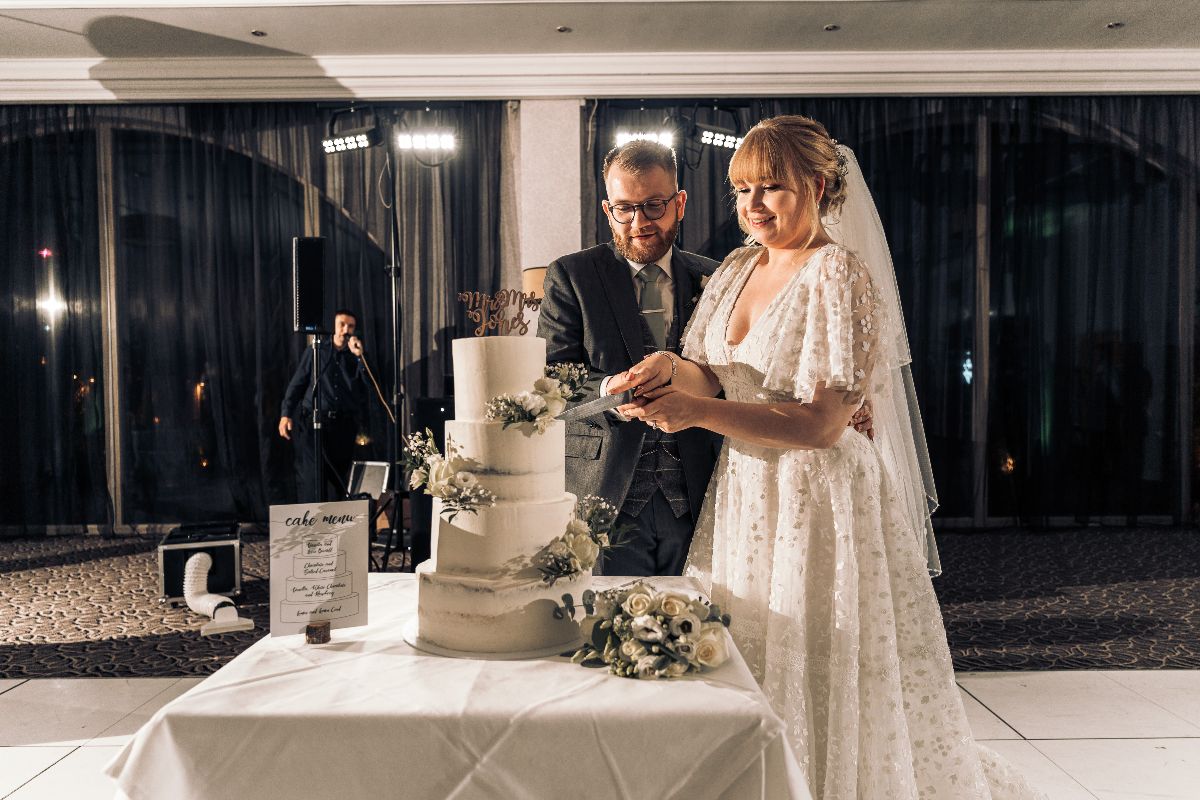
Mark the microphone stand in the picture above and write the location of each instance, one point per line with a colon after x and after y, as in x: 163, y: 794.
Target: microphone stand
x: 396, y: 529
x: 318, y: 451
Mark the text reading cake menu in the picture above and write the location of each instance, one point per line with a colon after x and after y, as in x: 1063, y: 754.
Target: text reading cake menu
x: 318, y: 565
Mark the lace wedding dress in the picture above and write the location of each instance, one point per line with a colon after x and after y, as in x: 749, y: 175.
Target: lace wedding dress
x: 809, y: 551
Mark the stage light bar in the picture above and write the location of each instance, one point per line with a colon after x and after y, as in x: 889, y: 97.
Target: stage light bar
x: 429, y: 140
x: 662, y: 137
x: 352, y: 139
x: 718, y: 137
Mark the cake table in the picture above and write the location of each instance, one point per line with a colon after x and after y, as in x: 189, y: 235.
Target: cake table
x: 369, y: 716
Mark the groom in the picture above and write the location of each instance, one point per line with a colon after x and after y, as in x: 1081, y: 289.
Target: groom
x: 609, y: 307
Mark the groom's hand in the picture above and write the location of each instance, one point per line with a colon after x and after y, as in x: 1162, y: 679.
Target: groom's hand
x: 863, y: 421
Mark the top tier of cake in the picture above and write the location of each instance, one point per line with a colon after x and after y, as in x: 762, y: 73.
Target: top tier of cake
x: 492, y: 365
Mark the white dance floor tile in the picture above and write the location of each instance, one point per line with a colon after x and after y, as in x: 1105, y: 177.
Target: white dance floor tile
x: 123, y: 730
x: 79, y: 776
x: 984, y: 724
x: 1178, y: 691
x: 9, y: 683
x: 1041, y: 771
x: 71, y: 711
x: 1072, y: 705
x: 1131, y: 769
x: 21, y: 764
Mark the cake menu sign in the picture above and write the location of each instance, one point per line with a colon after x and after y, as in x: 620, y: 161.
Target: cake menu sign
x: 318, y: 565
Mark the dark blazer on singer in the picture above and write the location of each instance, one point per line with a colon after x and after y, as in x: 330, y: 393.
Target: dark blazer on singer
x: 590, y: 315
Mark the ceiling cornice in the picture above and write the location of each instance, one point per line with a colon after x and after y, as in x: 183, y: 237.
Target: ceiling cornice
x: 601, y: 75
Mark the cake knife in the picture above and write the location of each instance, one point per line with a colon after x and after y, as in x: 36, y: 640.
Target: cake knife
x: 597, y: 406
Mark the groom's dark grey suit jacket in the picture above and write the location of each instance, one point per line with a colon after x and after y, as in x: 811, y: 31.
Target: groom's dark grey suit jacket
x: 590, y: 315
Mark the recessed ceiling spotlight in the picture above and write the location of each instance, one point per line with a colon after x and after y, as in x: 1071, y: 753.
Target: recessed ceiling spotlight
x: 563, y: 29
x: 1112, y: 26
x: 257, y: 32
x: 831, y: 28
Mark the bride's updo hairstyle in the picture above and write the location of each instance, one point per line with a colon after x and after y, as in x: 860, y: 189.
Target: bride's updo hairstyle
x: 797, y: 152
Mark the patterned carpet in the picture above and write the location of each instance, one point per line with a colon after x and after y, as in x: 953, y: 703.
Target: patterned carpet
x: 1093, y: 598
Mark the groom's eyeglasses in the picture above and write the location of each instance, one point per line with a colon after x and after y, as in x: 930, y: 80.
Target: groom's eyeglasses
x: 651, y: 209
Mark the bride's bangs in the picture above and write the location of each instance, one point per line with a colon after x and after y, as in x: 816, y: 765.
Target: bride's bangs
x: 758, y: 159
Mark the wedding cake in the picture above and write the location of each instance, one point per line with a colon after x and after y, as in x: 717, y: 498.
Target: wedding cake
x: 481, y: 591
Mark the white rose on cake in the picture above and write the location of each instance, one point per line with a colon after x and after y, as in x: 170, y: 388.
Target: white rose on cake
x: 533, y: 403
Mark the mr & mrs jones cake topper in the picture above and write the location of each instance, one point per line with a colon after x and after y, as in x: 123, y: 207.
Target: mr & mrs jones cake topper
x: 489, y: 312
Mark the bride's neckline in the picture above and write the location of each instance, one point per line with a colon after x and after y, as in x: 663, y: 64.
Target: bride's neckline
x: 745, y: 278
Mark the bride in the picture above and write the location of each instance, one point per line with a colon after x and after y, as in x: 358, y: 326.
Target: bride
x: 816, y: 538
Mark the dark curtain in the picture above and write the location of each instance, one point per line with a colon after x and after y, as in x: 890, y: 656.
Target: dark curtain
x: 1090, y: 207
x: 52, y: 426
x: 207, y: 199
x: 1094, y: 237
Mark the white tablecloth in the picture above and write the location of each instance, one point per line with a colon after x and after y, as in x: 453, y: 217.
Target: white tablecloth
x: 367, y: 716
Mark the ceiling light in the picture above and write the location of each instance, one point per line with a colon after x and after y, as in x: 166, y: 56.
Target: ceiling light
x: 1112, y: 26
x: 257, y: 32
x: 563, y: 29
x: 662, y: 137
x: 831, y: 28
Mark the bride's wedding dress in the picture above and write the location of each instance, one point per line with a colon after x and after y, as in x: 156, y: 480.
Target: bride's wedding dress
x: 813, y: 555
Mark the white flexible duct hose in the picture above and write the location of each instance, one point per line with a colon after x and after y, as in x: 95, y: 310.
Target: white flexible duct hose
x: 195, y: 586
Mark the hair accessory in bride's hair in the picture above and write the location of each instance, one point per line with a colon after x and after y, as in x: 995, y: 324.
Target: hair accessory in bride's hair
x: 843, y: 166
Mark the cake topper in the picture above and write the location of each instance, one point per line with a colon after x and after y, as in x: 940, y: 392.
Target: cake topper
x: 488, y: 311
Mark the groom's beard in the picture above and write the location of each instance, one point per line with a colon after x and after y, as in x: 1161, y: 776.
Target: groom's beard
x: 646, y: 250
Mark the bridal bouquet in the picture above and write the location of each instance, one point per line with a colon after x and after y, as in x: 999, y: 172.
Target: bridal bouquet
x: 592, y: 530
x: 561, y: 383
x: 642, y: 633
x: 446, y: 477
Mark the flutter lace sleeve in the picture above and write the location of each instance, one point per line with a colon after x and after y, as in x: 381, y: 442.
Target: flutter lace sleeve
x: 829, y: 330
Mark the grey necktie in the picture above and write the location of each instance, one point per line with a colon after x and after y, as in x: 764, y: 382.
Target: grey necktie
x: 653, y: 308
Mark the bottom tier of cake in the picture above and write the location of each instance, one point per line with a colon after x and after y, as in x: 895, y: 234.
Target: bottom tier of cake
x: 497, y: 614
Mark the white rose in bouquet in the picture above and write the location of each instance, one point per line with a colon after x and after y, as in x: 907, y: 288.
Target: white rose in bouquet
x: 441, y: 475
x: 646, y: 668
x: 632, y: 650
x: 674, y: 604
x: 647, y: 628
x: 638, y: 602
x: 577, y: 527
x: 560, y: 549
x: 464, y: 480
x: 710, y: 648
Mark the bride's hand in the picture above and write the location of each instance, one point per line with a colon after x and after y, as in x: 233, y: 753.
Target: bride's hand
x: 668, y: 409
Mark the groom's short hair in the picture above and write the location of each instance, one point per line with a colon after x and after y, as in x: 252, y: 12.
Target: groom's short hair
x: 639, y: 156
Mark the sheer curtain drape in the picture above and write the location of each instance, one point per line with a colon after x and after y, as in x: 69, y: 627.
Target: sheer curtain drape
x: 206, y: 199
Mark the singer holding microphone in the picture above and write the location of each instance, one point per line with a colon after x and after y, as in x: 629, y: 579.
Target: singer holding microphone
x: 343, y: 403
